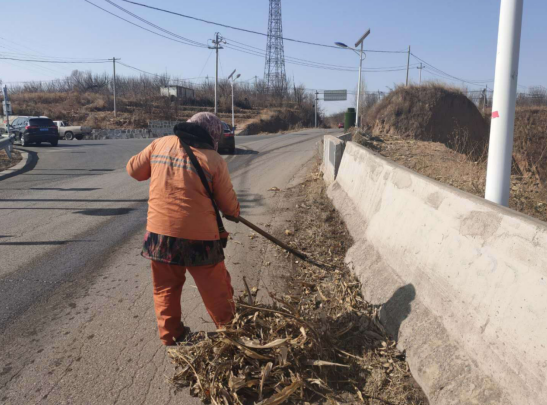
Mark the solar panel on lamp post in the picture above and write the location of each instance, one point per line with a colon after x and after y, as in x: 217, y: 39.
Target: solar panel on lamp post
x: 360, y: 53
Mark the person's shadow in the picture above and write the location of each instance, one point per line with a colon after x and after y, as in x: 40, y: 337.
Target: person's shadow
x: 397, y: 309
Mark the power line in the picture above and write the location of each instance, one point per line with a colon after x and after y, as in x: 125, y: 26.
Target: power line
x: 160, y: 76
x: 50, y: 61
x: 142, y: 71
x: 296, y: 62
x: 15, y: 55
x: 287, y: 59
x: 260, y: 52
x: 205, y: 64
x: 39, y: 54
x: 441, y: 73
x: 141, y: 27
x: 35, y: 81
x: 246, y: 30
x: 28, y: 68
x: 254, y: 48
x: 28, y: 55
x: 156, y: 26
x: 23, y: 55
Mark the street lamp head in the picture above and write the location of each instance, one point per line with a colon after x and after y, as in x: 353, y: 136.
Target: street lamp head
x: 238, y: 75
x: 231, y: 74
x: 341, y: 44
x: 362, y: 38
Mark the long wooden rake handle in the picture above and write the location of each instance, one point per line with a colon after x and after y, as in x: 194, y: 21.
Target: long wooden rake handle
x: 279, y: 243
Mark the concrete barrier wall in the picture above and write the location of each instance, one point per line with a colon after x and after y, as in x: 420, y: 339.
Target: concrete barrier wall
x: 156, y: 129
x: 162, y: 128
x: 119, y: 134
x: 462, y: 282
x: 333, y: 148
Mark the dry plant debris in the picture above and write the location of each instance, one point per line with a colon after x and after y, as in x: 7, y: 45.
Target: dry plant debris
x: 6, y: 162
x: 320, y: 341
x: 452, y: 167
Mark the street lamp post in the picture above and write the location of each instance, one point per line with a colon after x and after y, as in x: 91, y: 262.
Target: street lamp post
x: 232, y: 80
x: 360, y: 53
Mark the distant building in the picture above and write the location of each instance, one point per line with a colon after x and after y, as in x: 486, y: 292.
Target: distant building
x: 177, y: 91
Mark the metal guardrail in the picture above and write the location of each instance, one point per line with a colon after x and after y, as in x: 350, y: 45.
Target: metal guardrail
x: 6, y: 144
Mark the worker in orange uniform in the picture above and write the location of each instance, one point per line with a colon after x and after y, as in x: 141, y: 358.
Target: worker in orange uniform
x: 184, y: 230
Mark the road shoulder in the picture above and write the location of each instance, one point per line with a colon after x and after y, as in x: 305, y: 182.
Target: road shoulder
x: 26, y: 160
x: 95, y: 339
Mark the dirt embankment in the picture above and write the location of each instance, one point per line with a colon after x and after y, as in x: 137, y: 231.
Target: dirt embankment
x: 438, y: 132
x: 96, y: 110
x: 430, y: 113
x: 281, y: 120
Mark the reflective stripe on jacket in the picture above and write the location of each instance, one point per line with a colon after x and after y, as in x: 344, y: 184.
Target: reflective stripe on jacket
x: 178, y: 204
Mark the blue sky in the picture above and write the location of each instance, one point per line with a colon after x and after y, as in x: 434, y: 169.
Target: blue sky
x: 458, y: 37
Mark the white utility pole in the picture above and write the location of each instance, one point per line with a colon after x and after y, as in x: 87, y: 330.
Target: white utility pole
x: 316, y: 99
x: 420, y: 68
x: 216, y: 76
x: 114, y: 84
x: 217, y: 41
x: 408, y: 65
x: 232, y: 80
x: 7, y: 107
x: 500, y: 151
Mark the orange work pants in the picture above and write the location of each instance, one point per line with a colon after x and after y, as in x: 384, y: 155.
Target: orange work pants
x: 213, y: 283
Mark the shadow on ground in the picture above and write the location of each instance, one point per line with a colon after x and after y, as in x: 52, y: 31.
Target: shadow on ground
x: 397, y: 309
x: 239, y: 151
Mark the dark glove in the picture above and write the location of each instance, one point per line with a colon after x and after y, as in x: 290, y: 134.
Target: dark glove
x: 233, y: 219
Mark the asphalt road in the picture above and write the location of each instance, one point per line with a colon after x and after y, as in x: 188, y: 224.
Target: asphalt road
x: 77, y: 324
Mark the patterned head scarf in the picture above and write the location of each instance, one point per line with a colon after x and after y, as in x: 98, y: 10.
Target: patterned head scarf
x: 211, y: 123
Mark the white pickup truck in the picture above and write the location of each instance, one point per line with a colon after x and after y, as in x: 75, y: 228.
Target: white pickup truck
x: 69, y: 132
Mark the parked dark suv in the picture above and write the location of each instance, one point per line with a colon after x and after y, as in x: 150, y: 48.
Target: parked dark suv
x: 227, y: 141
x: 36, y: 130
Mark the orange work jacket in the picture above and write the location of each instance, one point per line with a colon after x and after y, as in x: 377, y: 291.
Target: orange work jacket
x: 178, y: 203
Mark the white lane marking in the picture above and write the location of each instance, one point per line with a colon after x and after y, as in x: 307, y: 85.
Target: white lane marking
x: 58, y: 150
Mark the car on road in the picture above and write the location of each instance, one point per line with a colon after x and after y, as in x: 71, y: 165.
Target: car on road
x: 340, y: 125
x: 4, y: 121
x: 29, y: 130
x: 69, y: 132
x: 227, y: 141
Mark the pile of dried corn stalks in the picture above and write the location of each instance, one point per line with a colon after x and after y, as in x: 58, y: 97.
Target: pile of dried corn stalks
x: 318, y: 346
x: 321, y: 341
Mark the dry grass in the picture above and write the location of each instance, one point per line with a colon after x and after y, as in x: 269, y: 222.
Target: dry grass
x: 5, y: 162
x: 282, y: 120
x: 530, y: 147
x: 430, y: 112
x: 318, y: 342
x: 438, y: 132
x: 457, y: 169
x: 79, y: 97
x: 96, y: 110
